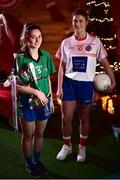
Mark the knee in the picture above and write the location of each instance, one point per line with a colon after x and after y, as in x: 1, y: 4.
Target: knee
x: 84, y: 121
x: 66, y: 121
x: 39, y: 134
x: 27, y: 137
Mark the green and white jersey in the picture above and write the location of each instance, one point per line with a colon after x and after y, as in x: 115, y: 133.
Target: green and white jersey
x: 35, y: 73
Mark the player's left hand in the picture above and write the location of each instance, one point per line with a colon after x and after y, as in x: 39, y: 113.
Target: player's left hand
x: 111, y: 88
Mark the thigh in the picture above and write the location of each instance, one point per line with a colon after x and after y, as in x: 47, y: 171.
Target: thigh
x: 68, y: 109
x: 27, y: 127
x: 84, y: 91
x: 40, y: 126
x: 68, y: 90
x: 84, y: 112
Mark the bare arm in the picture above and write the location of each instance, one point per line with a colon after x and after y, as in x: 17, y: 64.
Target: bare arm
x: 61, y: 73
x: 50, y: 87
x: 29, y: 90
x: 52, y: 104
x: 110, y: 73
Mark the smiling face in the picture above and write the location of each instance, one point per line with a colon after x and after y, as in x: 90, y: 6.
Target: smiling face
x: 79, y: 23
x: 34, y: 39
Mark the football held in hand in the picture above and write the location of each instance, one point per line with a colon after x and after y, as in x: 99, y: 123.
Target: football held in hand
x: 102, y: 82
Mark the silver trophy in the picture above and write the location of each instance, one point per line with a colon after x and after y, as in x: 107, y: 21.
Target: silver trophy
x: 27, y: 75
x: 47, y: 109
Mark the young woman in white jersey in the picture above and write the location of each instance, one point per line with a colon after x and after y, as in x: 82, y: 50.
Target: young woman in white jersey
x: 78, y: 55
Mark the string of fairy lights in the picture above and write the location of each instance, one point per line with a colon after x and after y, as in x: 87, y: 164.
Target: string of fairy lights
x: 106, y: 4
x: 102, y: 20
x: 107, y: 42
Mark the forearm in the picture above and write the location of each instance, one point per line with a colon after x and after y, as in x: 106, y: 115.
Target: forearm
x: 108, y: 70
x: 110, y: 74
x: 50, y: 86
x: 27, y: 90
x: 60, y: 75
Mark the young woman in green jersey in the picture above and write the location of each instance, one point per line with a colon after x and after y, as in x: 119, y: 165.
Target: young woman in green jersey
x: 35, y: 104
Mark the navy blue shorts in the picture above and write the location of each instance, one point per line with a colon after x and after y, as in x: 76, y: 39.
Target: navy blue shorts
x: 80, y: 91
x: 33, y: 114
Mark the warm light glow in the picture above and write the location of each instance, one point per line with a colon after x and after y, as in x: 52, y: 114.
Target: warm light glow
x: 99, y: 4
x: 104, y: 102
x: 111, y: 47
x: 101, y: 20
x: 107, y: 104
x: 116, y: 66
x: 92, y: 2
x: 110, y: 107
x: 109, y: 39
x: 59, y: 101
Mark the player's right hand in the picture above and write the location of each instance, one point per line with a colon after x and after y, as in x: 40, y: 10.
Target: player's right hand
x: 7, y: 83
x: 59, y: 93
x: 41, y: 96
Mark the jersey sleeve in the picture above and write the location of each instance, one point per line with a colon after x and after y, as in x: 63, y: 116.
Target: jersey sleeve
x: 101, y: 52
x: 51, y: 66
x: 61, y: 53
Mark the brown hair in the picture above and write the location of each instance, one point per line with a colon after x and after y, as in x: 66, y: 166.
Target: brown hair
x: 26, y: 30
x: 80, y: 12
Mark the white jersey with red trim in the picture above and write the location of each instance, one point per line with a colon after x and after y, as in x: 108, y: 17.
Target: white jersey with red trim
x: 81, y: 56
